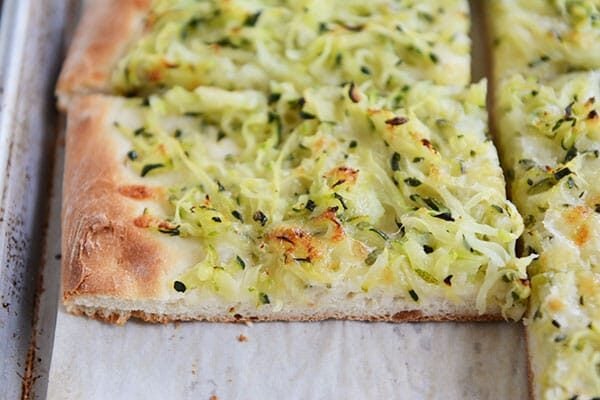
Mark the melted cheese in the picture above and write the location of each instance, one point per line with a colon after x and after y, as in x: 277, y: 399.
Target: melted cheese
x: 544, y: 38
x: 236, y: 44
x: 550, y: 136
x: 334, y: 189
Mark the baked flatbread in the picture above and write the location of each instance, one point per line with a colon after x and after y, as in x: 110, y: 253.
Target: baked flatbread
x: 227, y: 205
x: 550, y: 137
x: 140, y: 47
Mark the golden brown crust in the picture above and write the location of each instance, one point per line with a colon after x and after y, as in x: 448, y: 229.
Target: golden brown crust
x: 102, y: 37
x: 103, y: 251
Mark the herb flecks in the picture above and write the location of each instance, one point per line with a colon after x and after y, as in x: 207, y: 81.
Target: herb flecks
x: 310, y: 205
x: 446, y: 216
x: 395, y: 161
x: 241, y: 262
x: 413, y: 295
x: 169, y: 230
x: 306, y: 115
x: 260, y: 217
x: 149, y: 167
x: 264, y: 298
x: 341, y: 200
x: 448, y: 280
x: 179, y: 286
x: 252, y: 19
x: 132, y: 155
x: 237, y: 215
x: 414, y: 182
x: 372, y: 257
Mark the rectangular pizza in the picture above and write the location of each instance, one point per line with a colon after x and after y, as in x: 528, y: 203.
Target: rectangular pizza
x: 282, y: 160
x: 141, y: 46
x: 229, y: 205
x: 547, y: 88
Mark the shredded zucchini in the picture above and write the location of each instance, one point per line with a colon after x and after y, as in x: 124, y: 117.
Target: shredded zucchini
x: 544, y: 38
x: 381, y: 44
x: 550, y: 136
x: 330, y: 188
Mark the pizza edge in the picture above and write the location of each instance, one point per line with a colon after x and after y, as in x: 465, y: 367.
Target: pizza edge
x: 103, y: 35
x: 103, y: 251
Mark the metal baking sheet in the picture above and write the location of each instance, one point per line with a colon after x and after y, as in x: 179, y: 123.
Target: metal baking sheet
x: 68, y: 357
x: 30, y: 53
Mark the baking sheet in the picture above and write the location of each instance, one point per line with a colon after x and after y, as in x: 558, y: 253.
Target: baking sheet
x: 78, y: 358
x: 30, y: 38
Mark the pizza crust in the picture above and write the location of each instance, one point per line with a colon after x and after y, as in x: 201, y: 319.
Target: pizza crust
x: 114, y: 270
x: 103, y: 251
x: 103, y: 35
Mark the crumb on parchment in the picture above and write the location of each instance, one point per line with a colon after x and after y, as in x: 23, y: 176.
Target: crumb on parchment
x: 242, y: 338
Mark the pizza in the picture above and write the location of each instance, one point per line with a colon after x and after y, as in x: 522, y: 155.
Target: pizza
x: 279, y: 160
x: 546, y: 117
x: 555, y: 168
x: 543, y: 38
x: 139, y: 47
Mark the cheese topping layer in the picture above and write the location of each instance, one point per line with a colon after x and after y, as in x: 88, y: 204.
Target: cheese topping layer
x: 331, y: 189
x: 544, y: 38
x: 246, y: 44
x: 551, y: 137
x: 551, y: 141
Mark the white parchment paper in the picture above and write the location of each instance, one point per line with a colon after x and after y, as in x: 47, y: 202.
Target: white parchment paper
x: 326, y: 360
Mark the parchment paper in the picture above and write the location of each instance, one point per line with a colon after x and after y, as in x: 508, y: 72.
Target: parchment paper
x: 326, y: 360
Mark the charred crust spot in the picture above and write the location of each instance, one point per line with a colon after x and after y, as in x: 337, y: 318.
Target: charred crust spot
x: 285, y: 239
x: 428, y: 144
x: 353, y: 93
x: 296, y: 243
x: 155, y: 75
x: 340, y: 175
x: 330, y: 215
x: 137, y: 192
x: 143, y: 221
x: 576, y: 215
x: 413, y: 315
x: 582, y: 236
x: 396, y: 121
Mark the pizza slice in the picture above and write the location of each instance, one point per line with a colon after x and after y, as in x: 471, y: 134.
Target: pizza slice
x: 141, y: 46
x: 543, y: 38
x: 326, y: 203
x: 549, y: 136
